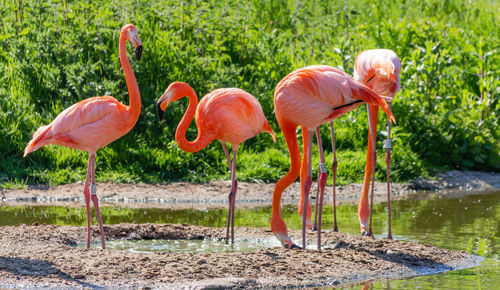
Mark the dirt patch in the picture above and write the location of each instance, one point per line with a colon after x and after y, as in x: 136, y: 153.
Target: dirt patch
x: 46, y: 256
x: 214, y: 194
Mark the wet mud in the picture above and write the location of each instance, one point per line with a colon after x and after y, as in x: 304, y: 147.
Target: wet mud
x: 47, y: 256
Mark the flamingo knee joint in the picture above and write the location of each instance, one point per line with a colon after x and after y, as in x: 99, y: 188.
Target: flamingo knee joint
x: 388, y: 144
x: 322, y: 168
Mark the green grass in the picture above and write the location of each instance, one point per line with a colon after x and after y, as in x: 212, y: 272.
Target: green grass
x: 56, y: 53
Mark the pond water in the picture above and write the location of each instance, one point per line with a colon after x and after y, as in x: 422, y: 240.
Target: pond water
x: 189, y: 246
x: 469, y: 222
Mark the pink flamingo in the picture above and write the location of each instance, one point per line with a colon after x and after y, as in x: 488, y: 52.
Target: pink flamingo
x: 380, y: 70
x: 94, y: 123
x: 309, y: 97
x: 228, y: 115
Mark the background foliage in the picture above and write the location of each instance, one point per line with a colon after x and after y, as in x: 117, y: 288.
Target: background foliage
x: 55, y: 53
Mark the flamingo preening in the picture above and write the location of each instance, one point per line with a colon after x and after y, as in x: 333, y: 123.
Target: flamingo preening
x: 309, y: 97
x: 228, y: 115
x: 94, y: 123
x: 380, y: 70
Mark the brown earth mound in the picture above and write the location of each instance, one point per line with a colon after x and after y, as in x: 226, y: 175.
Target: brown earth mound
x: 47, y: 256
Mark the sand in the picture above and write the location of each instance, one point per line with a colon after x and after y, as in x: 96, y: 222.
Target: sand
x: 46, y: 256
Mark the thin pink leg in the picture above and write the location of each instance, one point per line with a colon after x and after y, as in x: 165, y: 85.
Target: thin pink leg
x: 234, y: 188
x: 388, y: 147
x: 229, y: 166
x: 374, y: 160
x: 228, y: 158
x: 307, y: 183
x: 334, y: 175
x: 86, y: 194
x: 321, y: 184
x: 95, y: 200
x: 315, y: 225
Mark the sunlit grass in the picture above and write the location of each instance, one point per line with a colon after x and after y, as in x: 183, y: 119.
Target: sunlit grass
x: 55, y: 53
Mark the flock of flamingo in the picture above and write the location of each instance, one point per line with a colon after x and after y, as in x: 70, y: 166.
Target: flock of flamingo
x: 307, y: 97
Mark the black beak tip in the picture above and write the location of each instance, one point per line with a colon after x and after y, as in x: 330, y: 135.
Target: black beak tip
x: 138, y: 52
x: 160, y: 111
x: 294, y: 246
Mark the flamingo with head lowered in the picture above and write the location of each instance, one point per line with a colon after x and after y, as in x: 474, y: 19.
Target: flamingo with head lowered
x: 309, y: 97
x: 379, y: 69
x: 228, y: 115
x: 94, y: 123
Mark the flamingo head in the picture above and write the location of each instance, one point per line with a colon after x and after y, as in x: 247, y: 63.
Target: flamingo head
x: 129, y: 32
x: 384, y: 80
x: 175, y: 91
x: 278, y: 227
x: 379, y: 69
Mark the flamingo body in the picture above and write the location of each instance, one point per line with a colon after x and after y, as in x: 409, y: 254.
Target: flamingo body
x: 231, y: 115
x: 308, y: 96
x: 88, y: 125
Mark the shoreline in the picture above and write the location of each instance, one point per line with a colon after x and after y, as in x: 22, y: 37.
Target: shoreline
x: 183, y: 195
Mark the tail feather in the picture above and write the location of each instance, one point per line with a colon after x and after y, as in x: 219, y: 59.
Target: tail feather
x: 38, y: 140
x: 267, y: 128
x: 372, y: 98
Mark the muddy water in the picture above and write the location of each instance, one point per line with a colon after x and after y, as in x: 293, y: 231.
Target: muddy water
x: 469, y: 222
x: 190, y: 246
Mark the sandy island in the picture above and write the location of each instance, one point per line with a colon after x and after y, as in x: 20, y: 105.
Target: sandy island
x: 47, y: 256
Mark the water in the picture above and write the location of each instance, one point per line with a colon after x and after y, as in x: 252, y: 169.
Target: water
x: 189, y: 246
x: 468, y: 222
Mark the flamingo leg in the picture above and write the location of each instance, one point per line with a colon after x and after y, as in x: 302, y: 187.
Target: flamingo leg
x: 306, y: 181
x: 321, y: 183
x: 334, y: 176
x: 95, y: 199
x: 388, y: 147
x: 315, y: 225
x: 229, y: 166
x: 374, y: 160
x: 86, y: 194
x: 234, y: 187
x: 228, y: 158
x: 364, y: 206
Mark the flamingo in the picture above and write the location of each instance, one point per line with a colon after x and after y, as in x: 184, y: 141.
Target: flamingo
x: 228, y: 115
x: 309, y: 97
x: 380, y: 70
x: 94, y: 123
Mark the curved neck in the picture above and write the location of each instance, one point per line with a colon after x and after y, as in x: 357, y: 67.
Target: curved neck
x: 134, y: 107
x: 293, y: 147
x: 202, y: 140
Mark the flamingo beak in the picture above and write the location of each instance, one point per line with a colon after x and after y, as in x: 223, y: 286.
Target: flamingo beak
x: 160, y: 111
x: 136, y: 41
x: 138, y: 52
x: 162, y: 104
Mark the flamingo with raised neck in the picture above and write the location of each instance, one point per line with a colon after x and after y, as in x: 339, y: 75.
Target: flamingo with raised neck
x: 94, y: 123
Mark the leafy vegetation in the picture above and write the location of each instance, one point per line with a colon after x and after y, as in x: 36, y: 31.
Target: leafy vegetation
x: 56, y: 53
